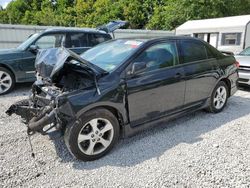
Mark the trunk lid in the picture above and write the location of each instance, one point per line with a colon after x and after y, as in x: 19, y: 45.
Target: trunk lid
x: 112, y: 26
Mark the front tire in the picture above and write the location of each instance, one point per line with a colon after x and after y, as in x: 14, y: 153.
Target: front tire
x: 7, y: 81
x: 93, y: 135
x: 218, y: 98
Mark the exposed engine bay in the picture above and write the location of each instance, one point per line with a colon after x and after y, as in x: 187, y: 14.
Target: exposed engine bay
x: 60, y: 72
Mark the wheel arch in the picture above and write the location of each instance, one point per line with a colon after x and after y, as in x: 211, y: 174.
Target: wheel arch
x: 121, y: 117
x: 9, y: 69
x: 228, y: 83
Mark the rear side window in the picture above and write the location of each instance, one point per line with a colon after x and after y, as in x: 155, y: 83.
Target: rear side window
x: 76, y: 40
x: 96, y: 38
x: 192, y: 51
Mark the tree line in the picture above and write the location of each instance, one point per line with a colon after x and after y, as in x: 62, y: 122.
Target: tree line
x: 141, y: 14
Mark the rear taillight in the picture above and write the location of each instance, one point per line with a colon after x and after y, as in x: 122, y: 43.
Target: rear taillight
x: 237, y: 64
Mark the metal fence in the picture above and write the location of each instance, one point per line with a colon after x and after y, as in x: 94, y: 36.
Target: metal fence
x: 13, y: 35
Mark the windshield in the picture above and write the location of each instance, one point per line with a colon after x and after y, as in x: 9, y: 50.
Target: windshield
x: 246, y: 52
x: 110, y: 55
x: 27, y: 42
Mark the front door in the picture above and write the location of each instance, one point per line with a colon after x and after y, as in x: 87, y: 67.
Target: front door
x: 159, y: 88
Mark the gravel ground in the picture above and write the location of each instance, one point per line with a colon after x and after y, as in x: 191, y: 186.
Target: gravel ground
x: 198, y: 150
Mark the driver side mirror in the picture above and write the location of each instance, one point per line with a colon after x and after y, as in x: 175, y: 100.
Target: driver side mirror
x: 137, y: 67
x: 33, y: 48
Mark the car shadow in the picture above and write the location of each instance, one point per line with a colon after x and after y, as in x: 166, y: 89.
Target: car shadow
x: 158, y: 140
x: 20, y: 89
x: 244, y: 88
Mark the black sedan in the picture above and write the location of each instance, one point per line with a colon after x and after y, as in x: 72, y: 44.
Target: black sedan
x: 123, y: 86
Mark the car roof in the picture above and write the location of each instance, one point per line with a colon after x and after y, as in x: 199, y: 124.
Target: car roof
x: 68, y: 29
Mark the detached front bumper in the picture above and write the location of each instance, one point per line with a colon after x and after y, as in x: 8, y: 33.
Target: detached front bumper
x: 35, y: 118
x: 42, y: 113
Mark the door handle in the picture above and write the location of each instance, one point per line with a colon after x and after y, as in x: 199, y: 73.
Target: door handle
x: 178, y: 75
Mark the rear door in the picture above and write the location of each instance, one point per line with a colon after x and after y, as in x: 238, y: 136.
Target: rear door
x: 159, y: 89
x: 78, y: 42
x: 200, y: 69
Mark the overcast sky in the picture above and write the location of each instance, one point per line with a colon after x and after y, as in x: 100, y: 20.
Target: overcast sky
x: 4, y: 3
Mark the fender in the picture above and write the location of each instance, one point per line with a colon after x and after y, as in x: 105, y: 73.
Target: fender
x: 119, y: 107
x: 5, y: 65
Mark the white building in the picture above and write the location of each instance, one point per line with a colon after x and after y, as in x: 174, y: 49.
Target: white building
x: 226, y: 34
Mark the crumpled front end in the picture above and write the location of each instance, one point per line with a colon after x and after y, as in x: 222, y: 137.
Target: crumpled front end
x: 48, y: 106
x: 42, y: 112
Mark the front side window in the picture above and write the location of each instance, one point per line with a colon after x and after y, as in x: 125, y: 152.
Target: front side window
x: 231, y: 39
x: 192, y: 51
x: 29, y: 41
x: 49, y: 41
x: 98, y: 38
x: 159, y: 56
x: 76, y: 40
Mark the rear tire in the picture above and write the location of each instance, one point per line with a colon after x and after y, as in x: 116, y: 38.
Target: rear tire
x: 93, y: 135
x: 218, y: 99
x: 7, y: 81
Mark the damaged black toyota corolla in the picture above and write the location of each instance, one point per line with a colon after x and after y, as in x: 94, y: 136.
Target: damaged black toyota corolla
x: 123, y: 86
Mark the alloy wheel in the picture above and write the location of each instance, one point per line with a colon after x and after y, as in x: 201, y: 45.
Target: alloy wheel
x: 95, y: 136
x: 220, y: 97
x: 5, y: 81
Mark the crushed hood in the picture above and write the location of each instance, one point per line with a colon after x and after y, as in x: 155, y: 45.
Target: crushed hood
x: 51, y: 61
